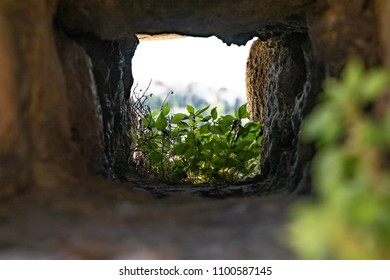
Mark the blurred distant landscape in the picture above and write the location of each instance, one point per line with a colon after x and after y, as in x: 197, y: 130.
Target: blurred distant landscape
x: 197, y: 94
x: 194, y: 69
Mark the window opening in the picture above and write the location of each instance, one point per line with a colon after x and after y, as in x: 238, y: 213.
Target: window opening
x: 199, y: 71
x: 189, y: 103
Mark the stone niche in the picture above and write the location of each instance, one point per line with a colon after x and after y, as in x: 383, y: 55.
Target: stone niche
x: 279, y: 81
x: 66, y: 77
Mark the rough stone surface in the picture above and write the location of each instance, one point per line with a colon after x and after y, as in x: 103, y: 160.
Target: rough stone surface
x: 85, y: 118
x: 49, y: 113
x: 111, y: 66
x: 258, y: 67
x: 43, y: 143
x: 344, y: 29
x: 36, y: 143
x: 232, y: 22
x: 279, y: 83
x: 110, y: 222
x: 12, y: 146
x: 383, y: 9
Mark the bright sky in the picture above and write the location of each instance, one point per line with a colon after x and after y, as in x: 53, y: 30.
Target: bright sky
x: 190, y: 59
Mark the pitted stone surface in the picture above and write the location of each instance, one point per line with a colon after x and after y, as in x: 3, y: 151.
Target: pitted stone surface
x: 94, y: 223
x: 233, y: 22
x: 48, y: 211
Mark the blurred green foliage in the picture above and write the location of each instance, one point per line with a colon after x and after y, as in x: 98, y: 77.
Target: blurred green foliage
x: 350, y: 218
x: 198, y: 146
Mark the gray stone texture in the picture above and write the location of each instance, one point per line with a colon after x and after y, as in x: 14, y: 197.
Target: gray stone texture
x: 65, y: 78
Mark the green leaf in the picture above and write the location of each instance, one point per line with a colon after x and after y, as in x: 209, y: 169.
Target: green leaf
x: 183, y: 126
x: 386, y: 131
x: 224, y: 124
x: 178, y: 117
x: 179, y: 163
x: 243, y: 145
x: 189, y: 153
x: 156, y: 157
x: 178, y: 175
x: 153, y: 146
x: 190, y: 109
x: 133, y: 132
x: 229, y: 118
x: 207, y: 155
x: 214, y: 113
x: 242, y: 111
x: 209, y: 145
x: 206, y: 119
x: 148, y: 121
x: 246, y: 156
x: 216, y: 129
x: 161, y: 122
x: 352, y: 75
x: 165, y: 109
x: 253, y: 126
x: 374, y: 84
x: 154, y: 113
x: 204, y: 129
x: 323, y: 125
x: 200, y: 111
x: 180, y: 149
x: 221, y: 144
x: 249, y: 137
x: 236, y: 114
x: 190, y: 136
x: 328, y: 169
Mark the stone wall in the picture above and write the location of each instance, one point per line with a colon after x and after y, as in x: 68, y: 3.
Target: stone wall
x: 258, y: 68
x: 344, y: 29
x: 233, y: 22
x: 111, y: 67
x: 383, y: 11
x: 279, y: 89
x: 284, y: 78
x: 13, y: 150
x: 34, y: 130
x: 66, y: 74
x: 86, y: 124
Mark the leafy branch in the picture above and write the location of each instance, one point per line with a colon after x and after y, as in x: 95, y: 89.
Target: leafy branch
x: 197, y: 146
x: 351, y: 173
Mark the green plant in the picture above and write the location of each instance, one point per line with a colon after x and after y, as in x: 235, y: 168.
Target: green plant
x: 198, y: 147
x: 350, y: 218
